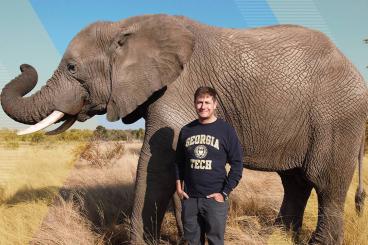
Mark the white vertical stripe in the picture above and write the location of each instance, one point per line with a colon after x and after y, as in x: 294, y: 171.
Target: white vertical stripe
x: 4, y: 74
x: 300, y: 12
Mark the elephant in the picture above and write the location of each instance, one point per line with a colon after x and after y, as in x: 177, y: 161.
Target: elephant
x: 297, y: 103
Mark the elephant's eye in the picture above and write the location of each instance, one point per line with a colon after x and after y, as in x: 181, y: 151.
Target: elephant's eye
x: 71, y: 68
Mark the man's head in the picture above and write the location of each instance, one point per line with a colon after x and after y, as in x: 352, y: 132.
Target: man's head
x: 205, y: 102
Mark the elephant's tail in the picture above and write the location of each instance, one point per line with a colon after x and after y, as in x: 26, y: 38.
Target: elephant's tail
x: 360, y: 193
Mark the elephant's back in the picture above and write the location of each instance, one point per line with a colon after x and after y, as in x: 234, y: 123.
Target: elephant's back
x: 293, y: 80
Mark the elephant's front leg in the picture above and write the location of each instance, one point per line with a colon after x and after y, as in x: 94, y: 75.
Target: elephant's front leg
x: 155, y: 185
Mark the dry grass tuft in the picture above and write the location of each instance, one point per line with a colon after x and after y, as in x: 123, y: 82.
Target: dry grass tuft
x: 65, y: 224
x: 100, y: 154
x: 169, y: 232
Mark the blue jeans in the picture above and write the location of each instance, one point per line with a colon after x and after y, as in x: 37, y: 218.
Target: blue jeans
x: 204, y: 217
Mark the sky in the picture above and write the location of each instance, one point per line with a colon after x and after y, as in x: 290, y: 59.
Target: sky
x: 38, y: 31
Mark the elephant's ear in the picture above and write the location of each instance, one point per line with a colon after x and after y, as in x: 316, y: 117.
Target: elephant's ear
x: 146, y: 57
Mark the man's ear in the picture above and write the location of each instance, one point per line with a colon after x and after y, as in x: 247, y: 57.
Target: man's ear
x: 146, y: 57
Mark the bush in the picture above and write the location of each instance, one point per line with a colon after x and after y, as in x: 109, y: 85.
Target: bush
x: 100, y: 133
x: 37, y: 137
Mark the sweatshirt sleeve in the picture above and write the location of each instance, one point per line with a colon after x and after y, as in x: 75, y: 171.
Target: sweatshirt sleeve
x: 234, y: 158
x: 180, y: 158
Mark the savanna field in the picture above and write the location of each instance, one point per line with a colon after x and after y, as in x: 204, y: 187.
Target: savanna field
x: 77, y: 188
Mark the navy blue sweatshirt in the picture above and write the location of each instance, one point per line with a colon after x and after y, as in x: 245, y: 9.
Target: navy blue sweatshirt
x: 201, y: 155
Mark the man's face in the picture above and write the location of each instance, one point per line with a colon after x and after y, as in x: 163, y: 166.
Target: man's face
x: 205, y: 106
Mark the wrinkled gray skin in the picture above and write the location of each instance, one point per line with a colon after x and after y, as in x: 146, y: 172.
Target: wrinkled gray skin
x: 298, y: 105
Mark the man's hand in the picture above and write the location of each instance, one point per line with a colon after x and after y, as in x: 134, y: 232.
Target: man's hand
x: 182, y: 195
x: 217, y: 196
x: 179, y: 190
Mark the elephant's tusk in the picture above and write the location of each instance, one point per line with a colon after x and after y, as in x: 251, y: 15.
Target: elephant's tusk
x: 52, y: 118
x: 63, y: 127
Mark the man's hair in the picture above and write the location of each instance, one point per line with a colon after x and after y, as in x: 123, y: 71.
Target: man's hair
x: 205, y: 90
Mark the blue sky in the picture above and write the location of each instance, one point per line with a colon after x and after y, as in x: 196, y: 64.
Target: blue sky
x: 38, y: 31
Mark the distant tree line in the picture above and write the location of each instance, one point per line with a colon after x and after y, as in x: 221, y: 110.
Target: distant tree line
x: 100, y: 133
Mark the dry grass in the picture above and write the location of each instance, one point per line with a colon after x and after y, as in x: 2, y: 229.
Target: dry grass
x: 96, y: 200
x: 253, y: 207
x: 98, y: 197
x: 30, y: 177
x: 104, y: 195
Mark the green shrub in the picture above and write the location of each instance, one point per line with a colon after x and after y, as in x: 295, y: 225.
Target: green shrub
x: 13, y: 145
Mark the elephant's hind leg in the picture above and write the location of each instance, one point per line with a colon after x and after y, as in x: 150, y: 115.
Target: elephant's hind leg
x: 331, y: 191
x: 330, y: 218
x: 296, y: 193
x: 330, y: 168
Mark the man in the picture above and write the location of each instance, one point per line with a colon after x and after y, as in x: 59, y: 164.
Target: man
x: 204, y: 147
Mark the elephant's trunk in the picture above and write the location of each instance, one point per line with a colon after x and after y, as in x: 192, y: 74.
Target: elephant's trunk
x: 28, y: 110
